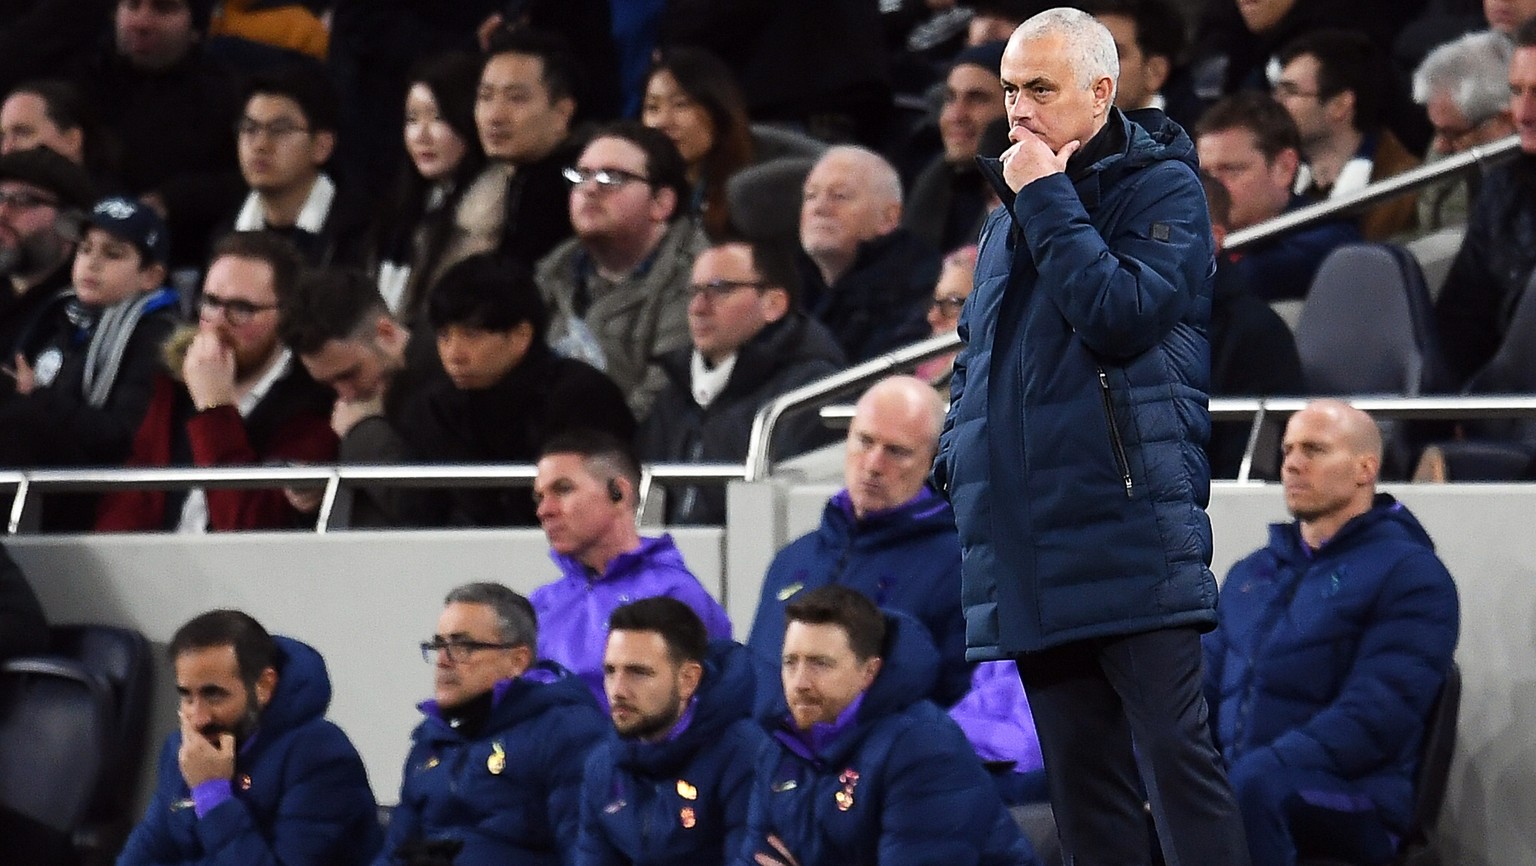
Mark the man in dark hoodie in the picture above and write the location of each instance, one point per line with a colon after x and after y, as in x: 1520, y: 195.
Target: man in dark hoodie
x: 673, y: 785
x: 1073, y: 451
x: 862, y: 768
x: 885, y: 534
x: 1334, y: 640
x: 255, y: 774
x: 750, y: 343
x: 494, y: 772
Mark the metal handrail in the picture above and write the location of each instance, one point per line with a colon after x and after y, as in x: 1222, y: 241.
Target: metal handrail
x: 334, y: 477
x: 843, y: 382
x: 1480, y: 156
x: 1448, y: 408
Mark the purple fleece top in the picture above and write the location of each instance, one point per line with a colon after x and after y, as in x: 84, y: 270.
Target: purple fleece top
x: 573, y: 611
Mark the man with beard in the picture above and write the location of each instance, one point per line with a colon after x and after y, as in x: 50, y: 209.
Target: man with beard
x: 242, y: 399
x: 862, y: 768
x: 674, y: 784
x: 494, y: 770
x: 39, y: 190
x: 255, y: 774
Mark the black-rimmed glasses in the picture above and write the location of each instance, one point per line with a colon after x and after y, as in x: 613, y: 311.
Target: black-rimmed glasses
x: 457, y: 650
x: 714, y: 290
x: 605, y: 178
x: 234, y: 310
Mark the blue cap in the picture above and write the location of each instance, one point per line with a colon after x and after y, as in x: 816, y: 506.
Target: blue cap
x: 988, y: 55
x: 133, y: 221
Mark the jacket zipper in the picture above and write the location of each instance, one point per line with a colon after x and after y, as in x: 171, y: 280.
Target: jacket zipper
x: 1114, y: 432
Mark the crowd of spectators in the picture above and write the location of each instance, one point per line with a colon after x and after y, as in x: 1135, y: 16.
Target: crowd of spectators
x: 397, y: 231
x: 598, y: 154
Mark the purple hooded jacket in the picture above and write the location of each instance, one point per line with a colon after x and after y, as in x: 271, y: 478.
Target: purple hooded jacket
x: 573, y: 611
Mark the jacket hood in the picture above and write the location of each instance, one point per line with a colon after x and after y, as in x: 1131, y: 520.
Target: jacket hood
x: 1386, y: 514
x: 303, y: 690
x: 544, y: 686
x: 724, y: 697
x: 1149, y: 136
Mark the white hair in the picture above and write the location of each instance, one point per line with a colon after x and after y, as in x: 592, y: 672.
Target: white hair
x: 1090, y: 47
x: 881, y: 176
x: 1473, y: 71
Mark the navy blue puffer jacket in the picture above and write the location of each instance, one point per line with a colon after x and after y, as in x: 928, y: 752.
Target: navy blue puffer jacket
x: 1073, y: 451
x: 896, y: 784
x: 683, y: 800
x: 1329, y: 660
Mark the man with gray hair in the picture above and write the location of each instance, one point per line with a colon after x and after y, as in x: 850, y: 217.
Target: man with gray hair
x: 494, y: 772
x: 867, y: 278
x: 1072, y: 452
x: 1464, y: 88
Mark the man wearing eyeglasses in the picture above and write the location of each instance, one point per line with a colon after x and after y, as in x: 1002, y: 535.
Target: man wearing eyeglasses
x: 242, y: 399
x: 750, y: 342
x: 286, y: 135
x: 618, y: 291
x: 494, y: 771
x: 1334, y: 84
x: 38, y: 189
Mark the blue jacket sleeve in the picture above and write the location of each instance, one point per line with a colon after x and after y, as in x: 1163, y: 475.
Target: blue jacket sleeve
x: 592, y: 845
x: 1397, y: 672
x: 938, y: 805
x: 759, y: 817
x: 150, y: 842
x: 1124, y: 293
x: 736, y: 784
x: 404, y: 821
x: 568, y: 749
x: 316, y: 817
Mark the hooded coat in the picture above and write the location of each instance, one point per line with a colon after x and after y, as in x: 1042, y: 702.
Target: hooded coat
x: 905, y: 558
x: 573, y: 611
x: 300, y: 792
x: 1329, y: 660
x: 893, y: 781
x: 682, y: 800
x: 510, y: 791
x: 1073, y: 450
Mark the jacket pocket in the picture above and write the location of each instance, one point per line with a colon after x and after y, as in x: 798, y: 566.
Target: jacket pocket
x: 1115, y: 439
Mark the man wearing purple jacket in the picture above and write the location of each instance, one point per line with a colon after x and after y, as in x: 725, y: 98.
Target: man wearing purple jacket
x: 585, y: 492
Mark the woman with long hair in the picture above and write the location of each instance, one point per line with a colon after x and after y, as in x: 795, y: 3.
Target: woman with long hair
x: 432, y: 223
x: 691, y: 96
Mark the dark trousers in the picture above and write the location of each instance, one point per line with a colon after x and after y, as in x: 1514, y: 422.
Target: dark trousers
x: 1124, y: 715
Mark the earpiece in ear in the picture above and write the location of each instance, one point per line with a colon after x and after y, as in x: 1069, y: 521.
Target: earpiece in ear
x: 615, y: 492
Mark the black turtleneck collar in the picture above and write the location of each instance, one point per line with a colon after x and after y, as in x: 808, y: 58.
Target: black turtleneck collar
x: 470, y: 717
x: 1110, y: 139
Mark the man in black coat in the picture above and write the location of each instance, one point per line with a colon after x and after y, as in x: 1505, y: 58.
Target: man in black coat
x: 505, y: 392
x: 868, y: 279
x: 750, y: 343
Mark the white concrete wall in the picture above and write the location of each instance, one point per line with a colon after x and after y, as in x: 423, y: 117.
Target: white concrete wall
x: 366, y: 599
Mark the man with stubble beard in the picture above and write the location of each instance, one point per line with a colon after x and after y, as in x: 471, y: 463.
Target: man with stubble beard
x: 255, y: 774
x: 242, y: 399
